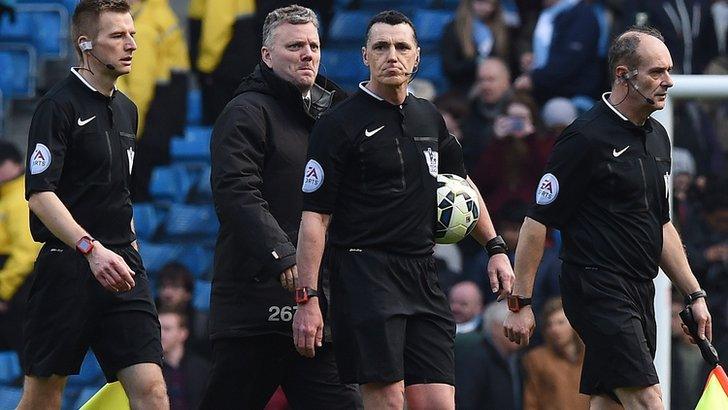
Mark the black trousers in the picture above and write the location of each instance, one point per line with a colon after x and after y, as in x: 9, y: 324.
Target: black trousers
x: 247, y: 371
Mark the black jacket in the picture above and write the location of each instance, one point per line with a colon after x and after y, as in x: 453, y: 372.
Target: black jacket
x: 258, y: 149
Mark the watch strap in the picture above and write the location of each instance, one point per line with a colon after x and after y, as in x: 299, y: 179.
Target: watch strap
x: 496, y: 245
x: 700, y: 293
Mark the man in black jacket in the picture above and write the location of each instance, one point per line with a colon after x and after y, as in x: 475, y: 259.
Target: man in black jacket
x: 259, y: 146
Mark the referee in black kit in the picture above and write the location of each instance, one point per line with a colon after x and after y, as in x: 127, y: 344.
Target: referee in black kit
x: 372, y: 168
x: 90, y: 288
x: 606, y: 188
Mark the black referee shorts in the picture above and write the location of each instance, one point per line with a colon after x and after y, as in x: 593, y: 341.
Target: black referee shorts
x: 246, y: 371
x: 390, y: 319
x: 69, y: 311
x: 615, y: 317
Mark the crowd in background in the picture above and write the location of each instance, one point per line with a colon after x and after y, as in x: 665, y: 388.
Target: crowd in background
x: 517, y: 74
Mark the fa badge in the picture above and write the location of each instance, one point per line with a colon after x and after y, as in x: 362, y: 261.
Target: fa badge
x: 313, y: 177
x: 548, y: 189
x: 40, y: 160
x: 431, y: 157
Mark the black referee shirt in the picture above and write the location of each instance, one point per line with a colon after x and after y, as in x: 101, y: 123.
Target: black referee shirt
x: 373, y: 166
x: 605, y: 188
x: 81, y: 146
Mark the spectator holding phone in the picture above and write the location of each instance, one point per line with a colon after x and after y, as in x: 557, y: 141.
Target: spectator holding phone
x: 511, y: 165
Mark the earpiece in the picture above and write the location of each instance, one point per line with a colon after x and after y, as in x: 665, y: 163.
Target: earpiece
x: 85, y: 46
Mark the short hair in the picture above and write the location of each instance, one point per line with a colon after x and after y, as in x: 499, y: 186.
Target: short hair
x: 8, y: 151
x: 293, y: 14
x: 623, y: 49
x: 176, y: 273
x: 391, y: 17
x: 181, y: 315
x: 85, y: 19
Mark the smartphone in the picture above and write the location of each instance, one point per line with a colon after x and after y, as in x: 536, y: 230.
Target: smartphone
x: 517, y: 123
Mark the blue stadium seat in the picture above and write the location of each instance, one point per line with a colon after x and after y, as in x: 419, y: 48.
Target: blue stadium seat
x: 170, y: 183
x: 348, y: 28
x: 197, y: 259
x: 405, y: 6
x: 197, y: 133
x: 201, y: 296
x: 146, y: 220
x: 190, y: 149
x: 69, y: 5
x: 17, y: 70
x: 156, y: 255
x: 430, y: 25
x: 44, y: 25
x: 10, y: 397
x: 89, y: 375
x: 431, y: 69
x: 194, y: 106
x: 10, y: 369
x: 344, y: 67
x: 196, y: 222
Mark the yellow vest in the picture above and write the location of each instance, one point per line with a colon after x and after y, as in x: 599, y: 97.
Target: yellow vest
x: 218, y: 19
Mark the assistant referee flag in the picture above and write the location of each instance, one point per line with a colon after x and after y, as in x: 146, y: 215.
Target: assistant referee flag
x: 109, y: 397
x: 715, y: 395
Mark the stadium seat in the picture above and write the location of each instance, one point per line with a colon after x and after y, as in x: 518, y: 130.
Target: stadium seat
x: 344, y: 67
x: 89, y: 375
x: 191, y: 149
x: 83, y: 396
x: 17, y: 70
x: 430, y: 25
x: 201, y: 296
x: 405, y: 6
x: 10, y: 370
x: 69, y: 5
x: 431, y: 69
x: 146, y: 220
x: 197, y: 259
x: 170, y: 183
x: 44, y: 25
x: 192, y: 222
x: 10, y: 397
x: 348, y: 28
x: 156, y: 255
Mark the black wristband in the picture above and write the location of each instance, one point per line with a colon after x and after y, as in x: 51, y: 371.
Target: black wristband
x: 689, y: 299
x: 496, y: 245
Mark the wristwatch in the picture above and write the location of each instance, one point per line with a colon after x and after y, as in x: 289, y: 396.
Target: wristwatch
x: 304, y: 294
x: 516, y: 303
x: 700, y: 293
x: 85, y: 245
x: 496, y: 245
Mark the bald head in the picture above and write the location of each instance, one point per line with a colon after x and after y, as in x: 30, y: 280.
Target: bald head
x: 627, y: 48
x: 466, y: 301
x: 494, y: 79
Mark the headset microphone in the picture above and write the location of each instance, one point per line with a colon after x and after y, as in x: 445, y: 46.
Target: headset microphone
x: 87, y: 46
x: 628, y: 78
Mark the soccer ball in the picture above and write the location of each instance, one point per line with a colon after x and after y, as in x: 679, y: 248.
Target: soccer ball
x: 457, y: 209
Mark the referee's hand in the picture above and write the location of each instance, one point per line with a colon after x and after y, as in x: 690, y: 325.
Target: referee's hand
x: 518, y: 327
x: 500, y: 275
x: 703, y: 319
x: 308, y: 328
x: 110, y: 269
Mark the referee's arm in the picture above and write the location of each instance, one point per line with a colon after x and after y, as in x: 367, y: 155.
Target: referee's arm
x: 675, y: 264
x: 308, y: 323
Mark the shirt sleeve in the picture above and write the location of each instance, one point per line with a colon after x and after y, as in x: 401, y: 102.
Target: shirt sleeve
x: 328, y: 153
x: 48, y: 138
x: 567, y: 174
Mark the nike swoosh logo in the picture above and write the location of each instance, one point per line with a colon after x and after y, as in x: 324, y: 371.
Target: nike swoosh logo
x: 618, y: 153
x: 81, y: 122
x: 372, y: 132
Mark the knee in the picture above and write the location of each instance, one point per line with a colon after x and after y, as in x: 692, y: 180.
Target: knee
x: 383, y: 396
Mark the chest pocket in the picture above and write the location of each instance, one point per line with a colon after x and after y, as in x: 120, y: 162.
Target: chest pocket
x: 382, y: 164
x: 627, y: 185
x: 128, y: 147
x: 93, y: 157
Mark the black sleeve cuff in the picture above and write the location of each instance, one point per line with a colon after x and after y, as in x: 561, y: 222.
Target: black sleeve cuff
x: 282, y: 257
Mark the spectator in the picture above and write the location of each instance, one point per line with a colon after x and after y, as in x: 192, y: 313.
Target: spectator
x: 184, y: 372
x: 687, y: 369
x: 565, y: 52
x: 510, y: 167
x: 17, y: 248
x: 175, y: 287
x: 466, y: 303
x: 488, y: 376
x: 453, y: 110
x: 478, y: 31
x: 552, y: 371
x: 683, y: 171
x: 689, y: 31
x: 489, y: 97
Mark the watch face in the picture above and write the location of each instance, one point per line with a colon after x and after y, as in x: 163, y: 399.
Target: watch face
x: 301, y: 295
x: 85, y: 246
x: 513, y: 304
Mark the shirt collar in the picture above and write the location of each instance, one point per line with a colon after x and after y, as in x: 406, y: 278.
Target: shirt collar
x: 646, y: 127
x: 363, y: 84
x: 74, y: 70
x: 605, y: 97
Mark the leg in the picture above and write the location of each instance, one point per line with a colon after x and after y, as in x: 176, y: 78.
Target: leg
x: 42, y: 393
x: 603, y: 402
x: 144, y: 386
x: 384, y: 396
x: 639, y: 398
x: 430, y: 396
x: 244, y: 372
